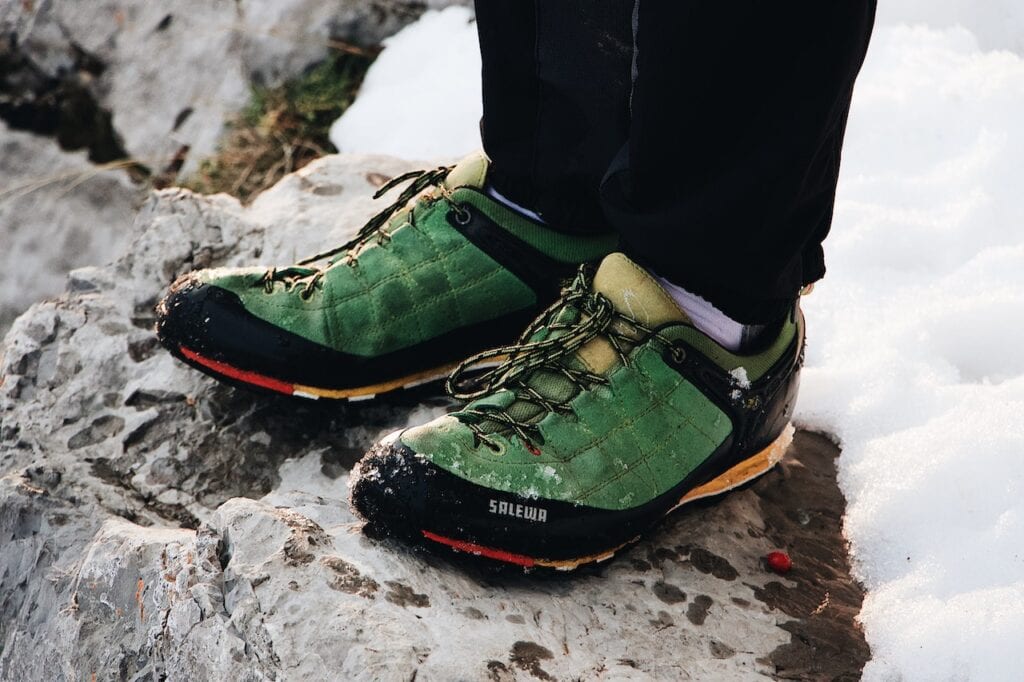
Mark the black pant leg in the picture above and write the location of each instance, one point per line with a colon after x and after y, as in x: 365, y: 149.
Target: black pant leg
x: 556, y: 81
x: 727, y: 183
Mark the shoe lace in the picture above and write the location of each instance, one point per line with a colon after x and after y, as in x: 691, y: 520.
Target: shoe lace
x: 578, y: 317
x: 374, y: 229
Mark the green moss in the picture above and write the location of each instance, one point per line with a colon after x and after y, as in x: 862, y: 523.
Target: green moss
x: 282, y: 129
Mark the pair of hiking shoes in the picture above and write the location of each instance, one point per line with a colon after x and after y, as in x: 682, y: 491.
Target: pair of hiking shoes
x: 609, y: 411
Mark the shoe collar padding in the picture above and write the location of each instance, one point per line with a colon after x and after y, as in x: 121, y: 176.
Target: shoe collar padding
x: 469, y: 172
x: 633, y: 292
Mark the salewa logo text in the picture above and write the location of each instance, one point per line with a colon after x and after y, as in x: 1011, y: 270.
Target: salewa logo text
x: 519, y: 511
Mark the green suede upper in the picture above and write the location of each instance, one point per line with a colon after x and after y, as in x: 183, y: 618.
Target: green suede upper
x: 419, y: 280
x: 620, y: 443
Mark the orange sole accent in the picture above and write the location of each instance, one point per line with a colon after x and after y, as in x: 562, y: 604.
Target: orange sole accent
x: 366, y: 392
x: 312, y: 392
x: 573, y: 564
x: 522, y: 559
x: 744, y: 472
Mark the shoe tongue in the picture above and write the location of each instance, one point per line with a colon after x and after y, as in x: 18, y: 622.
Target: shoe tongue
x: 633, y: 292
x: 470, y: 172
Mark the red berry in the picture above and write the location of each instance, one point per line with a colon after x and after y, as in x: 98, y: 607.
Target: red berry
x: 779, y: 562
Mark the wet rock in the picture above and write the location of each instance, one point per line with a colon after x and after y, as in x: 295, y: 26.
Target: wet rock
x: 405, y: 596
x: 720, y: 650
x: 670, y: 594
x: 348, y: 578
x: 708, y: 562
x: 528, y: 656
x: 818, y: 594
x: 697, y: 612
x: 664, y: 620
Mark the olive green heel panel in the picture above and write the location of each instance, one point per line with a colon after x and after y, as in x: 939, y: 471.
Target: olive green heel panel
x: 755, y: 365
x: 564, y: 248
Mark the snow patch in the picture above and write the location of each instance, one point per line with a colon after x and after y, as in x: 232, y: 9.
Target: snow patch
x: 915, y: 359
x: 422, y: 97
x: 998, y: 24
x: 740, y: 378
x: 550, y: 473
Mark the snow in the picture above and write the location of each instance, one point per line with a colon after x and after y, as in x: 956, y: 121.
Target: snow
x: 915, y: 362
x: 997, y: 24
x: 915, y: 358
x: 422, y: 97
x: 739, y: 376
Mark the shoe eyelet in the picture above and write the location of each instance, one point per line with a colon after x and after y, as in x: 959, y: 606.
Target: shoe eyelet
x: 498, y: 448
x: 462, y: 215
x: 678, y: 354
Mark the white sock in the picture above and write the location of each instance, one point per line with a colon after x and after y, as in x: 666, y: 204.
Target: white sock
x: 724, y: 330
x: 498, y: 196
x: 729, y: 333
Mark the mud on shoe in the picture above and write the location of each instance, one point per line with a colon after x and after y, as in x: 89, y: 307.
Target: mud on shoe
x: 611, y: 411
x: 442, y: 273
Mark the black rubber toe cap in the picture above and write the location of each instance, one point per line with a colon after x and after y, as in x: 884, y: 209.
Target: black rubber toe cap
x: 181, y: 313
x: 402, y: 494
x: 390, y: 489
x: 214, y: 323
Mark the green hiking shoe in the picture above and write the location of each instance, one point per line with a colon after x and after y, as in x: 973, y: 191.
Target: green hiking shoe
x: 610, y: 412
x: 442, y: 273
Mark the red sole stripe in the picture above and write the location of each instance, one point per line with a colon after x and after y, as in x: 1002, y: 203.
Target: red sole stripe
x: 471, y: 548
x: 238, y: 374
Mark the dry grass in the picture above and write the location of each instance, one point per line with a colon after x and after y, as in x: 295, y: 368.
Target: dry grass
x: 282, y: 129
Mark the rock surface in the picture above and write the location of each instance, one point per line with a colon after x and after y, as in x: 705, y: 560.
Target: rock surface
x: 157, y: 525
x: 57, y: 212
x: 171, y: 75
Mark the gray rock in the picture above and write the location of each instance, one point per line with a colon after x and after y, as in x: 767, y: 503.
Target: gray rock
x: 171, y: 74
x: 157, y: 525
x: 57, y: 212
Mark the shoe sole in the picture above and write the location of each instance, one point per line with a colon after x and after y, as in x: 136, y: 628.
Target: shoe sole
x: 738, y: 476
x: 225, y: 372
